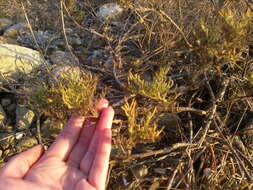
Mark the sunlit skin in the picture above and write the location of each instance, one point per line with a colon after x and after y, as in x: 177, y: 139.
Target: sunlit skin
x: 77, y: 160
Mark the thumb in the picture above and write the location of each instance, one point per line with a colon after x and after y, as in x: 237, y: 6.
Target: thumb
x: 19, y: 165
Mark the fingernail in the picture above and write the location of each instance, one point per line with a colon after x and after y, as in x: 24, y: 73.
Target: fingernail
x: 105, y: 102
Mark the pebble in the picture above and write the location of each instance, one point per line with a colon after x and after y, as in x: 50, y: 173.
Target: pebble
x: 6, y: 140
x: 5, y: 102
x: 96, y: 58
x: 140, y: 171
x: 24, y: 117
x: 61, y: 57
x: 110, y: 11
x: 11, y: 108
x: 171, y: 123
x: 2, y: 116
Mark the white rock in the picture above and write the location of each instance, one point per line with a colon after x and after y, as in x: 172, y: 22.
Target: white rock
x: 15, y: 59
x: 110, y: 11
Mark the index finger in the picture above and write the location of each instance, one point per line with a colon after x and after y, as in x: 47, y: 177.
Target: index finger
x: 66, y: 140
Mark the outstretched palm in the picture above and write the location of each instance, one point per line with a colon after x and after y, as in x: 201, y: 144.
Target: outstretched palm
x: 77, y: 160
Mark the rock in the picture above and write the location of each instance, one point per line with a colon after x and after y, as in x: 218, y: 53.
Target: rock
x: 19, y: 135
x: 51, y: 128
x: 15, y: 59
x: 60, y: 70
x: 24, y: 117
x: 4, y: 23
x: 208, y: 172
x: 171, y: 123
x: 110, y: 11
x: 25, y: 143
x: 45, y: 39
x: 2, y: 116
x: 96, y: 58
x: 5, y: 102
x: 73, y: 38
x: 11, y: 108
x: 6, y: 140
x: 13, y: 31
x: 140, y: 171
x: 61, y: 57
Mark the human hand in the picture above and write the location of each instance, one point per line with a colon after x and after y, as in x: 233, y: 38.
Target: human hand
x: 77, y: 160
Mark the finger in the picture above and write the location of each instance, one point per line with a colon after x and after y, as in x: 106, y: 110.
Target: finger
x: 98, y: 173
x: 19, y: 165
x: 66, y: 140
x: 84, y: 184
x: 105, y: 121
x: 101, y: 104
x: 81, y: 147
x: 83, y: 143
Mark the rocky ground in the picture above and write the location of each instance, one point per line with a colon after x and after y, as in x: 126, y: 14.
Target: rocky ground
x: 207, y: 137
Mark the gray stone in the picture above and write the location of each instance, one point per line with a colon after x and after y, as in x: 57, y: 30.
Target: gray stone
x: 45, y: 39
x: 110, y: 11
x: 24, y: 117
x: 61, y: 57
x: 2, y: 116
x: 60, y: 72
x: 96, y: 58
x: 4, y: 23
x: 16, y: 59
x: 6, y: 140
x: 11, y: 108
x: 73, y: 38
x: 5, y: 102
x: 170, y: 120
x: 171, y: 123
x: 13, y: 31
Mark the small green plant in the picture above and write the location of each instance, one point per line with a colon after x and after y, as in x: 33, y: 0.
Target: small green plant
x: 69, y: 94
x: 227, y: 37
x: 250, y: 78
x: 142, y: 124
x: 156, y: 90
